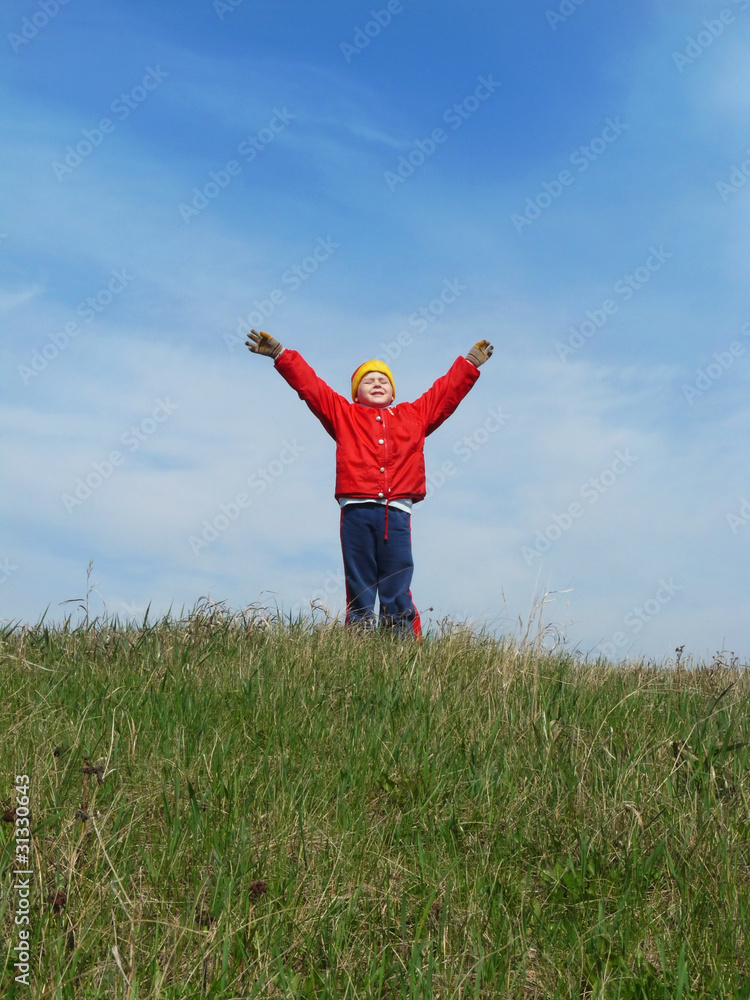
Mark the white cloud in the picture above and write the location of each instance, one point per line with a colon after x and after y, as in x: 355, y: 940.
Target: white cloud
x: 11, y: 300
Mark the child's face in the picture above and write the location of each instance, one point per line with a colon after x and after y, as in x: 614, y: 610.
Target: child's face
x: 375, y: 389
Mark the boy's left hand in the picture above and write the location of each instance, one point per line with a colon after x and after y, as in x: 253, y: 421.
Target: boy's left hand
x: 480, y: 352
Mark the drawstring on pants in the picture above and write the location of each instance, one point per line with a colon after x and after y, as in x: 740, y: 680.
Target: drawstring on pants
x: 385, y: 536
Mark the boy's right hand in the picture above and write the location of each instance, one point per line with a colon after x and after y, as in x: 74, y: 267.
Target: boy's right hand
x: 263, y: 343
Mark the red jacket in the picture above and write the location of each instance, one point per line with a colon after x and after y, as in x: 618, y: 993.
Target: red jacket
x: 379, y: 452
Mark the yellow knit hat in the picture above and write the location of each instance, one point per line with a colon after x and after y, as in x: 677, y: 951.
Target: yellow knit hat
x: 365, y: 369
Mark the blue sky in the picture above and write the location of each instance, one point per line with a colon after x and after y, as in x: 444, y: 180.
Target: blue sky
x: 566, y: 179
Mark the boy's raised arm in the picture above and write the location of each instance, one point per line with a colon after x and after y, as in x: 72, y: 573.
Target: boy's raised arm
x: 442, y: 398
x: 319, y: 397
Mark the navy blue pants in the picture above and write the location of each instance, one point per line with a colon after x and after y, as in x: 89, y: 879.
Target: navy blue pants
x: 376, y: 565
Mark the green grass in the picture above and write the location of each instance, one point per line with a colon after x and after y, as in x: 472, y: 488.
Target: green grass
x: 294, y: 811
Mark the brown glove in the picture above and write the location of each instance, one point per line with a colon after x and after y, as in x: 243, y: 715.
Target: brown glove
x: 480, y: 352
x: 263, y: 343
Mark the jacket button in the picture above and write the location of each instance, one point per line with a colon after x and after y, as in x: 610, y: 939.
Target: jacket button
x: 381, y: 494
x: 378, y: 418
x: 380, y: 441
x: 382, y: 468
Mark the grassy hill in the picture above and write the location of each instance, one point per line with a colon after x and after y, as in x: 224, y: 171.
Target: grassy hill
x: 226, y: 807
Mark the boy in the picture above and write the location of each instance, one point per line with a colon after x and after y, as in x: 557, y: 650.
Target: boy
x: 380, y: 470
